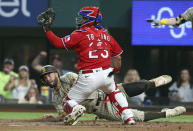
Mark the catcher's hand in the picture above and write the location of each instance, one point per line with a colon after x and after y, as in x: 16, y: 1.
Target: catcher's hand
x: 46, y: 18
x: 154, y: 22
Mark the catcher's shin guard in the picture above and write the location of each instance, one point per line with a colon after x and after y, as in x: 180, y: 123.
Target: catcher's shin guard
x: 120, y: 102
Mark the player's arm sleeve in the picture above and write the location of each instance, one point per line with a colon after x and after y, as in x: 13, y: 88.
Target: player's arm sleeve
x: 55, y: 40
x: 71, y: 41
x: 59, y: 109
x: 57, y: 106
x: 115, y: 48
x: 188, y: 14
x: 68, y: 42
x: 69, y: 78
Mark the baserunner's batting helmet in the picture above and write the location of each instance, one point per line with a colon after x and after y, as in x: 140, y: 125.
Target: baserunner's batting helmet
x: 48, y: 69
x: 45, y: 70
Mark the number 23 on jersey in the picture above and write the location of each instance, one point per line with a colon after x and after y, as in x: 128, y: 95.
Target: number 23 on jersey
x: 97, y: 48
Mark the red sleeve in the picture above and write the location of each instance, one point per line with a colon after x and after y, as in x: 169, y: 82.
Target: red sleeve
x: 68, y: 42
x: 56, y: 41
x: 116, y: 49
x: 71, y: 41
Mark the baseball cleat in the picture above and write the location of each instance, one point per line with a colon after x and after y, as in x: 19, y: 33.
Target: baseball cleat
x: 174, y: 112
x: 161, y: 80
x: 130, y: 121
x: 72, y: 118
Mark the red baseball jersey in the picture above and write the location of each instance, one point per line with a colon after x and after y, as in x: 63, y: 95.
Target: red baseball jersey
x: 94, y: 47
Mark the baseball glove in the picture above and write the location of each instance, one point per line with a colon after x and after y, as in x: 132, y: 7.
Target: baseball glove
x: 46, y: 18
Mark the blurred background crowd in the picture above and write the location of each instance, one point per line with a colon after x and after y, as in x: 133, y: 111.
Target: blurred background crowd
x: 24, y: 48
x: 19, y: 86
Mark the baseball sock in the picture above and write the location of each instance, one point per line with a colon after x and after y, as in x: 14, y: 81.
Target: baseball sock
x: 136, y: 88
x: 154, y: 115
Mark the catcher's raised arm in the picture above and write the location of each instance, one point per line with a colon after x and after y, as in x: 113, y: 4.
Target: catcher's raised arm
x: 186, y: 16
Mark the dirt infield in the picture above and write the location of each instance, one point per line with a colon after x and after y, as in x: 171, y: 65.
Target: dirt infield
x: 94, y: 126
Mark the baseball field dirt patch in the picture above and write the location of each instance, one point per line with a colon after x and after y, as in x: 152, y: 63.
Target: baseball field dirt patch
x: 24, y: 125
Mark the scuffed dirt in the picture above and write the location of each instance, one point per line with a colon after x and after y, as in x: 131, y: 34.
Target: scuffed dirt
x: 94, y: 126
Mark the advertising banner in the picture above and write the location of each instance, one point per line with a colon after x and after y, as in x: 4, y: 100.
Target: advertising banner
x: 144, y: 33
x: 21, y: 12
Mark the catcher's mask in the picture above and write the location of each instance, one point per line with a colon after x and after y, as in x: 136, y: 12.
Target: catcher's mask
x: 45, y: 70
x: 89, y: 16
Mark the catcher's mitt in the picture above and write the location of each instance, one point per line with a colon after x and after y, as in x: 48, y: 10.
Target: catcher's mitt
x: 46, y: 18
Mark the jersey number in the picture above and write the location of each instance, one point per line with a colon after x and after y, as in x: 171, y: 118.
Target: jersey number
x: 103, y: 55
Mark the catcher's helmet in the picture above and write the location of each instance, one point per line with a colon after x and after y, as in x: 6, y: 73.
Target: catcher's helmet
x: 89, y: 16
x: 45, y: 70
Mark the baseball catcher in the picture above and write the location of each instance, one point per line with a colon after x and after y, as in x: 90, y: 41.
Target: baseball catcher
x: 98, y: 102
x: 97, y: 50
x: 186, y: 16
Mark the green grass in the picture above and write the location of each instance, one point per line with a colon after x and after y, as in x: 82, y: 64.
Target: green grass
x: 20, y: 115
x: 35, y: 115
x: 182, y: 118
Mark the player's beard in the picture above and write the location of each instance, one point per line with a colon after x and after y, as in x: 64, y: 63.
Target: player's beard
x: 55, y: 84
